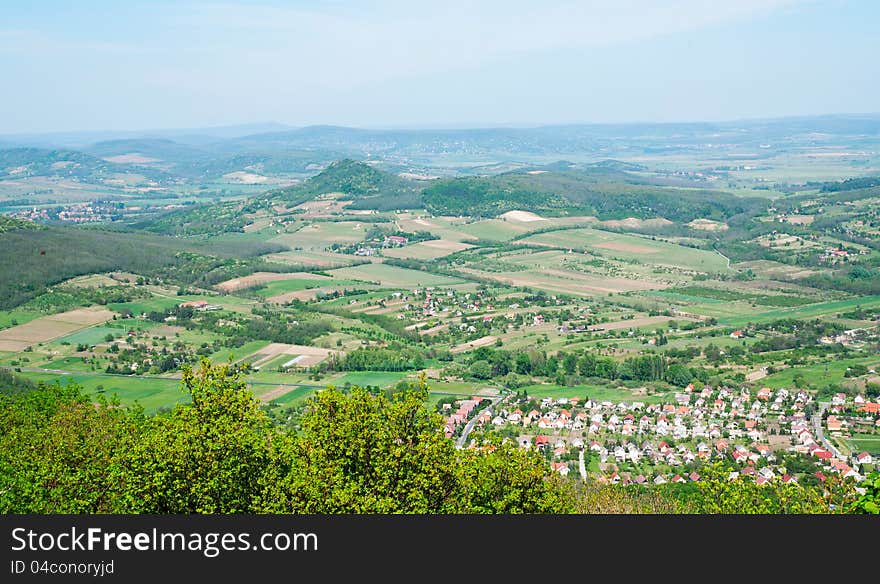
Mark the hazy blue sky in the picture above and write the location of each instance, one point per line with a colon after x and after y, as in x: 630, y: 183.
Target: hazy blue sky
x: 157, y: 64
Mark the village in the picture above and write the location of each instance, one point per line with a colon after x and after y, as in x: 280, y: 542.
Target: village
x: 768, y: 436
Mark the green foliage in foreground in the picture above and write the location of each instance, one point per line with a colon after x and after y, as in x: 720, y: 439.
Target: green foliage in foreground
x: 355, y: 453
x: 869, y: 502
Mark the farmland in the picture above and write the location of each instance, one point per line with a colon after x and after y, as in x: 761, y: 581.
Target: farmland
x: 632, y: 248
x: 524, y: 286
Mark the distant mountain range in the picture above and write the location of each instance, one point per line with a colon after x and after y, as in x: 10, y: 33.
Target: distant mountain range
x: 275, y: 150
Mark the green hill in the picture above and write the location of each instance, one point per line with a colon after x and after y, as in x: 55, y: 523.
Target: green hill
x: 33, y: 259
x: 603, y: 191
x: 27, y: 162
x: 368, y: 187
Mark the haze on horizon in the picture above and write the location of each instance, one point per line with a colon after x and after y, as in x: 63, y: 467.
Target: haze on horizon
x: 389, y: 63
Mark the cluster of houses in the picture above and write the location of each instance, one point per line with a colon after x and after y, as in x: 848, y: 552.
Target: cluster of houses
x: 390, y: 241
x: 856, y: 415
x: 465, y: 409
x: 92, y: 212
x: 674, y: 439
x: 837, y: 256
x: 429, y: 303
x: 200, y: 305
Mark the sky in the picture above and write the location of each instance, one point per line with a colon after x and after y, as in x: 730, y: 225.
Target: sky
x: 110, y: 65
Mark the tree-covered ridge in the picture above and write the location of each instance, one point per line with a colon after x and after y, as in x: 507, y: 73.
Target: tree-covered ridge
x: 24, y: 162
x: 607, y: 193
x: 368, y: 187
x: 33, y: 259
x: 355, y: 453
x: 209, y: 219
x: 852, y: 184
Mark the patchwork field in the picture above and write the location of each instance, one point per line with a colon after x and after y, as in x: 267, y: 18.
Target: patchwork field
x: 631, y: 247
x: 304, y: 295
x: 392, y: 276
x: 808, y: 311
x: 45, y: 329
x: 319, y: 236
x: 299, y: 355
x: 427, y: 250
x: 315, y: 259
x: 568, y: 282
x: 261, y: 278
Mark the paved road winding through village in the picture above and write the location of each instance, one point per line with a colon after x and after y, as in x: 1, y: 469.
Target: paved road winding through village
x: 490, y: 409
x: 817, y: 426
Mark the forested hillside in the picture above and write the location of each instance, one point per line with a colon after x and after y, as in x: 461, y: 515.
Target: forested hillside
x: 368, y: 187
x: 607, y: 193
x: 35, y: 258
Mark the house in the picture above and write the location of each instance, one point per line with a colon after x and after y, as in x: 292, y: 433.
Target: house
x: 541, y: 441
x: 870, y: 408
x: 864, y: 458
x: 834, y: 425
x: 560, y: 467
x: 737, y: 335
x: 396, y: 240
x: 740, y: 456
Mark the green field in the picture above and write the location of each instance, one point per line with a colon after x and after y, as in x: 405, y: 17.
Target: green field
x: 237, y: 353
x: 92, y: 335
x: 295, y: 395
x: 150, y: 392
x: 869, y: 443
x: 284, y: 286
x: 364, y: 378
x: 319, y: 236
x: 17, y: 316
x: 68, y: 364
x: 393, y: 276
x: 457, y: 387
x: 161, y: 303
x: 809, y: 311
x: 418, y: 251
x: 321, y: 260
x: 141, y: 306
x: 594, y: 392
x: 632, y: 247
x: 818, y: 374
x: 494, y: 229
